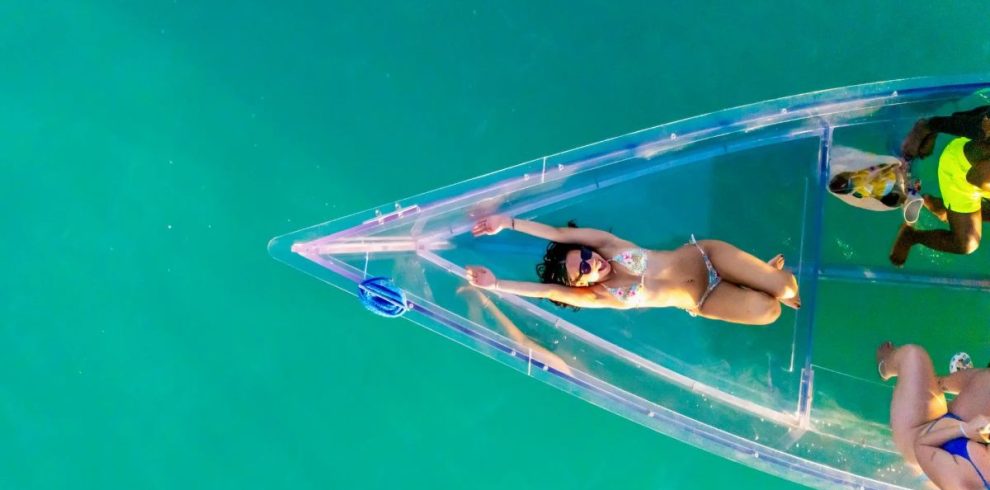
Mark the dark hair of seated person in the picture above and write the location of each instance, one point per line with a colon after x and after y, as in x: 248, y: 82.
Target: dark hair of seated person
x: 892, y: 199
x: 839, y: 185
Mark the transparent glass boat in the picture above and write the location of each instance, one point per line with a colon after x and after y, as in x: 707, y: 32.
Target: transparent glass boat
x: 800, y: 398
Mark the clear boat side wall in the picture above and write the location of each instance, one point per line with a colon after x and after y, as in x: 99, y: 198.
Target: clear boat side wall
x: 622, y: 403
x: 660, y: 139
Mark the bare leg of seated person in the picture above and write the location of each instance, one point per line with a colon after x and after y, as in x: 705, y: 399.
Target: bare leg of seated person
x: 917, y: 398
x: 962, y: 237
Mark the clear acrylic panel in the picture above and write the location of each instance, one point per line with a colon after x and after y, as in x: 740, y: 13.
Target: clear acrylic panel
x: 784, y: 398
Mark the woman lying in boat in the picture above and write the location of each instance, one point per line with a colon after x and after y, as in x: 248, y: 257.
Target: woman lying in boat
x: 590, y: 268
x: 947, y: 440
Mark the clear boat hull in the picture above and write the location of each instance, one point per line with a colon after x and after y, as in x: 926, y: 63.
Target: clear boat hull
x: 774, y: 398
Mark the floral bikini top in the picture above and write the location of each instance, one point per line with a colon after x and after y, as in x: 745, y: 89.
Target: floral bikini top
x: 635, y: 261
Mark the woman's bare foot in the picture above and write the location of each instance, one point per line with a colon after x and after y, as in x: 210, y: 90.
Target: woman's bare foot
x: 902, y: 245
x: 936, y: 206
x: 884, y: 351
x: 793, y: 302
x: 790, y: 298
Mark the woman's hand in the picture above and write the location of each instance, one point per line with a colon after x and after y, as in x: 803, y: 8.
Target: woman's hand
x: 481, y: 277
x: 979, y: 425
x: 491, y: 225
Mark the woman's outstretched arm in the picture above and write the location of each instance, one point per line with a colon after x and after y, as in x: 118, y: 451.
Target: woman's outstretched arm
x: 973, y: 124
x: 582, y: 236
x: 587, y: 297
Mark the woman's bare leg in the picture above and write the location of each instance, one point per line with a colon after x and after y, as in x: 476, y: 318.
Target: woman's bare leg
x: 936, y: 206
x: 917, y: 398
x: 743, y: 269
x: 732, y: 303
x: 974, y: 392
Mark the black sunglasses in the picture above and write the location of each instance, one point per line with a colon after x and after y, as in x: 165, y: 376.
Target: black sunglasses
x: 585, y: 266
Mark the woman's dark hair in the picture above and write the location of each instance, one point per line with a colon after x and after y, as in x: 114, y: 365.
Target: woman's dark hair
x: 892, y: 200
x: 552, y: 270
x: 839, y: 184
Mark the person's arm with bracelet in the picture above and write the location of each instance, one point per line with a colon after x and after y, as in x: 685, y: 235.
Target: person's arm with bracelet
x: 977, y: 430
x: 586, y: 297
x: 921, y: 140
x: 567, y: 234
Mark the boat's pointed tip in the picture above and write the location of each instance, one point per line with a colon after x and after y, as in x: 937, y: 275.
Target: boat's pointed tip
x: 273, y: 245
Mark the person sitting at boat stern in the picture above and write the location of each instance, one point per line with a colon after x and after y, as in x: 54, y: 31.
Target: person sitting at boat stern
x: 874, y: 182
x: 963, y: 179
x: 948, y: 441
x: 589, y: 268
x: 877, y: 182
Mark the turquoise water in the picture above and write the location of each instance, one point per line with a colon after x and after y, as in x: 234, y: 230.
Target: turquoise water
x: 151, y: 150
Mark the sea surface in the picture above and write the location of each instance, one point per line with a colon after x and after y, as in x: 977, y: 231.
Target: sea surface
x: 149, y: 150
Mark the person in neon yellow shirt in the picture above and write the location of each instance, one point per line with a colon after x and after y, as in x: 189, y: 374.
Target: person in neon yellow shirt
x: 963, y: 178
